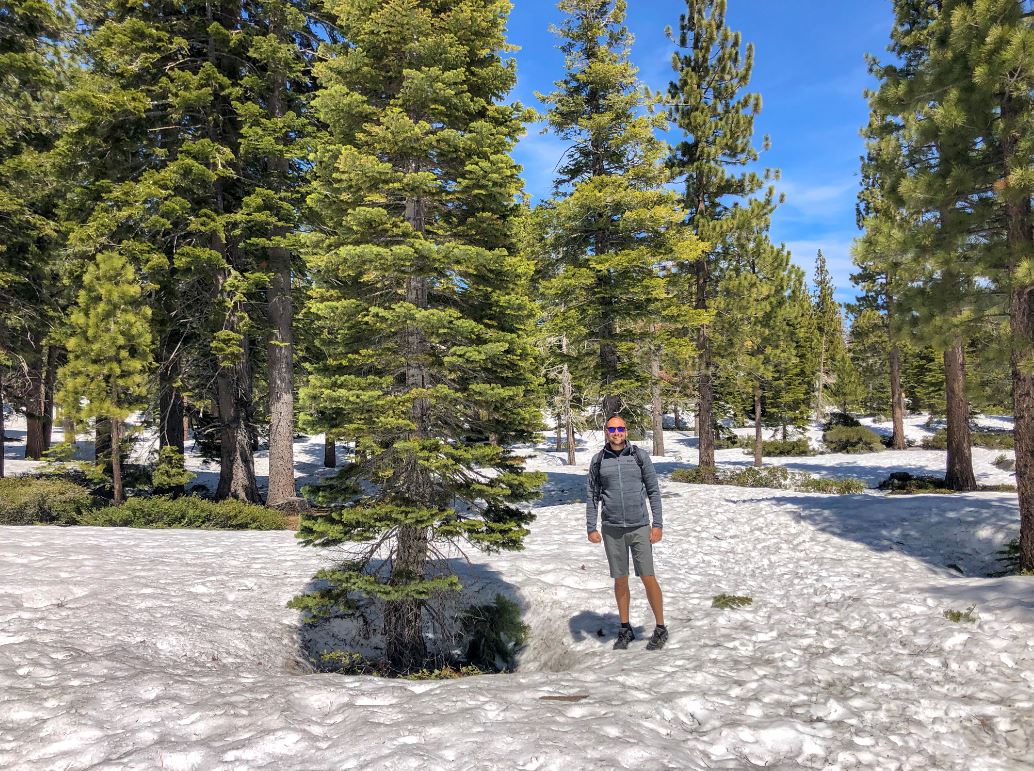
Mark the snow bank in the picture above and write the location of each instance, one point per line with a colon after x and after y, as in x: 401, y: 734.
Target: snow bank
x: 173, y: 649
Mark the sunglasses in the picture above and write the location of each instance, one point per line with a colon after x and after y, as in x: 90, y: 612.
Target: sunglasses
x: 616, y: 429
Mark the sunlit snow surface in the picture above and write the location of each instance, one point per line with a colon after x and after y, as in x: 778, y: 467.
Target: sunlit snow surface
x: 173, y: 649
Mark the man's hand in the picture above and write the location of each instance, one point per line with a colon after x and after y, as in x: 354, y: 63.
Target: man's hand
x: 655, y: 534
x: 595, y: 536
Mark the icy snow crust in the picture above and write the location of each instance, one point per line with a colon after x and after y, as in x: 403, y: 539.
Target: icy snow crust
x: 137, y: 649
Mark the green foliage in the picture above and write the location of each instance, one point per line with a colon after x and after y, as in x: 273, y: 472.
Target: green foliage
x: 832, y: 485
x: 773, y: 477
x: 30, y: 501
x: 602, y: 240
x: 856, y: 439
x: 352, y: 663
x: 730, y: 601
x: 966, y: 616
x: 991, y: 440
x: 186, y: 512
x: 1004, y: 462
x: 419, y: 320
x: 169, y: 471
x: 781, y: 448
x: 495, y: 634
x: 835, y: 419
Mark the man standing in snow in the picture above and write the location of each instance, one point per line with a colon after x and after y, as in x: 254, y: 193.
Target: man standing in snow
x: 622, y: 477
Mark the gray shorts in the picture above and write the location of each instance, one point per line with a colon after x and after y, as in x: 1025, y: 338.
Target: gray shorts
x: 618, y: 541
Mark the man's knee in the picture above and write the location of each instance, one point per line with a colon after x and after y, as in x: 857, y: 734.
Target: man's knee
x: 649, y: 580
x: 621, y: 581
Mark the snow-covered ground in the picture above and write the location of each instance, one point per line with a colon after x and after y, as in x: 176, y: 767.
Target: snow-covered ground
x: 173, y: 649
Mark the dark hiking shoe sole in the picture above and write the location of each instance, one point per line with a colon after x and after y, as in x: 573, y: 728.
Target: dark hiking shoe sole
x: 660, y: 636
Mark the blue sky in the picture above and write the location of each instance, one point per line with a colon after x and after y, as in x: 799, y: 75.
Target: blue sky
x: 810, y: 71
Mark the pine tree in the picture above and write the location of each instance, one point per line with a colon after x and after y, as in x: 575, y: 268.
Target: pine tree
x: 420, y: 305
x: 867, y: 348
x: 708, y: 105
x: 611, y: 222
x: 830, y: 326
x: 109, y: 352
x: 750, y: 340
x: 32, y: 292
x: 944, y: 297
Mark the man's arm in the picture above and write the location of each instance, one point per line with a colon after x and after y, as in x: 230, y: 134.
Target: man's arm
x: 592, y: 501
x: 653, y: 489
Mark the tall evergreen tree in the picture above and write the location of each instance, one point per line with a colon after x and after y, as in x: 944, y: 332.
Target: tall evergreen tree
x: 611, y: 222
x: 420, y: 304
x: 829, y: 323
x: 709, y: 106
x: 109, y: 351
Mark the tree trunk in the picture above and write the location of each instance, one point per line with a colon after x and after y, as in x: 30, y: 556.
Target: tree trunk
x: 3, y: 439
x: 170, y: 413
x: 116, y: 462
x: 329, y: 452
x: 567, y: 394
x: 656, y: 404
x: 705, y: 408
x: 403, y: 625
x: 281, y: 345
x: 1020, y: 225
x: 281, y: 382
x: 559, y: 431
x: 675, y: 413
x: 35, y: 371
x: 959, y: 474
x: 49, y: 380
x: 68, y: 432
x: 897, y: 398
x: 237, y: 459
x: 569, y: 421
x: 758, y: 439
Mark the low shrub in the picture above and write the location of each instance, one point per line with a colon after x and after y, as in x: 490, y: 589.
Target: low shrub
x: 33, y: 501
x: 773, y: 477
x: 961, y: 616
x: 776, y: 448
x: 496, y: 633
x: 833, y: 485
x: 836, y: 419
x: 730, y: 601
x: 1004, y: 462
x: 852, y: 439
x: 991, y: 440
x: 904, y: 483
x: 187, y: 512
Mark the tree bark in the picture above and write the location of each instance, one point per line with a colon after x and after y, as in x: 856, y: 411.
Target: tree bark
x: 567, y: 394
x: 656, y: 404
x: 35, y: 372
x: 329, y: 452
x: 49, y: 380
x: 1020, y: 239
x: 705, y: 408
x: 897, y: 398
x: 403, y: 625
x: 820, y: 407
x: 170, y: 413
x: 758, y: 439
x: 237, y: 459
x: 116, y: 462
x: 281, y: 346
x: 102, y: 443
x: 959, y: 474
x: 3, y: 438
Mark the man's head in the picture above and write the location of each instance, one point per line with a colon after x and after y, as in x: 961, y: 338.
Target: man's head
x: 616, y: 431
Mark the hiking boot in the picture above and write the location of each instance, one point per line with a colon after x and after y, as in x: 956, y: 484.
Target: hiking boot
x: 660, y: 636
x: 625, y: 636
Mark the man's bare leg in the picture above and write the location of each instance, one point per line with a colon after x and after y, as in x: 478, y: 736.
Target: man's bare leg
x: 623, y: 596
x: 653, y: 594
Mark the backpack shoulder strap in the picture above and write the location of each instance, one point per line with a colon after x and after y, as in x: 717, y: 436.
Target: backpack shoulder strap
x: 634, y: 449
x: 594, y: 469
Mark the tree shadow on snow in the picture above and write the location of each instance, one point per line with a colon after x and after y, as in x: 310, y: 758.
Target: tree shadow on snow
x: 361, y: 632
x: 958, y: 534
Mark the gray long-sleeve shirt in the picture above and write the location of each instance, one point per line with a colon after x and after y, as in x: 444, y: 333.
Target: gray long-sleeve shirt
x: 625, y: 481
